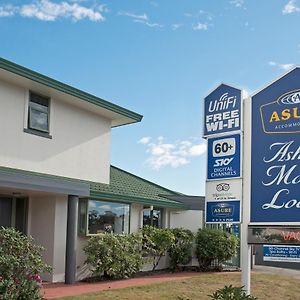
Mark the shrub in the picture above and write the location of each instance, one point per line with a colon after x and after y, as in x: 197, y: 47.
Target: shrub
x: 114, y: 256
x: 231, y: 293
x: 156, y: 243
x: 180, y: 252
x: 213, y: 245
x: 20, y: 266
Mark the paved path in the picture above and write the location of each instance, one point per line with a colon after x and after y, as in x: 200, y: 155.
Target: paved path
x: 57, y: 290
x: 277, y: 271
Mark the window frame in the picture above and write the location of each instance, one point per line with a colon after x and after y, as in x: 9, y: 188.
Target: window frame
x: 86, y: 201
x: 157, y: 208
x: 30, y: 106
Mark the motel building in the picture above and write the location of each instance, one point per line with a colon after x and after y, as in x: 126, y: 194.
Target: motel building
x: 55, y: 174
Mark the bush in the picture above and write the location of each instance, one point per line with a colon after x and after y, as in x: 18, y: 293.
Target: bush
x: 180, y: 252
x: 213, y: 245
x: 20, y: 266
x: 156, y: 243
x: 114, y: 256
x: 231, y: 293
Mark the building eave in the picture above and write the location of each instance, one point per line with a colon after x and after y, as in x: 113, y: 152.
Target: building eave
x: 120, y: 116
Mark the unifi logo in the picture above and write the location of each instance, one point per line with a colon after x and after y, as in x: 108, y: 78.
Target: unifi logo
x: 223, y: 103
x: 223, y: 187
x: 282, y: 115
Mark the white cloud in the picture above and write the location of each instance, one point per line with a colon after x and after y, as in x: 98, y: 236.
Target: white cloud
x: 143, y: 16
x: 197, y: 150
x: 176, y: 26
x: 148, y: 23
x: 46, y: 10
x: 179, y: 153
x: 237, y: 3
x: 7, y: 10
x: 284, y: 67
x: 144, y: 140
x: 290, y: 8
x: 200, y: 26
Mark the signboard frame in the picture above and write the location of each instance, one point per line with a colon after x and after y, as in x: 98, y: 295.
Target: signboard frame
x: 283, y: 259
x: 235, y: 187
x: 224, y: 222
x: 247, y: 179
x: 223, y: 136
x: 241, y: 129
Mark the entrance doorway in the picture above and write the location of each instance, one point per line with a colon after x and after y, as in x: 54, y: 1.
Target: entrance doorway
x: 13, y: 212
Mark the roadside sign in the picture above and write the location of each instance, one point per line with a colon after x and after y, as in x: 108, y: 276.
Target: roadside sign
x: 222, y: 110
x: 223, y: 190
x: 224, y: 157
x: 223, y: 212
x: 279, y: 235
x: 281, y: 253
x: 275, y: 153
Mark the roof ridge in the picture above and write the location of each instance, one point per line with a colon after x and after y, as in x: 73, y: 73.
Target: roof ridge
x: 145, y: 180
x: 66, y: 88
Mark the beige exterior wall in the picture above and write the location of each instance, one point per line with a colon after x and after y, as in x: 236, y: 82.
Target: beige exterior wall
x: 188, y: 219
x: 47, y: 221
x: 79, y: 147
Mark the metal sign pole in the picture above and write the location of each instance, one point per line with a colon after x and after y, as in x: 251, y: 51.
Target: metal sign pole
x: 245, y: 248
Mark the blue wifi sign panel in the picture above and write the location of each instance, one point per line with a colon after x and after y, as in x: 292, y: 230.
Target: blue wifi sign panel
x: 222, y: 110
x: 224, y: 157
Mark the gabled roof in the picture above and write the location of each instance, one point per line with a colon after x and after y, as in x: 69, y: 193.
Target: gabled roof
x: 125, y: 186
x: 25, y: 77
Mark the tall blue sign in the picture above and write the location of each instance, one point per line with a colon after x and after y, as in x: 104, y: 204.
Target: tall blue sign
x: 224, y: 157
x: 222, y: 110
x: 275, y: 152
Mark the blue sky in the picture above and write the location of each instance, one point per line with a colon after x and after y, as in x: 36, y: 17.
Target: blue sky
x: 158, y: 58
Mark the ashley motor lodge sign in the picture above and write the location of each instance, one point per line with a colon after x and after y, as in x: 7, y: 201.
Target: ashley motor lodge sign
x: 275, y: 151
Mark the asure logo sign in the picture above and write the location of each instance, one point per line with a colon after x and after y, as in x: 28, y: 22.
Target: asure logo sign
x: 283, y: 115
x: 223, y: 212
x: 222, y: 110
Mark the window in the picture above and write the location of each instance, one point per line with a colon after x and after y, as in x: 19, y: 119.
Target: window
x: 38, y: 113
x: 13, y: 213
x: 152, y: 216
x: 100, y: 216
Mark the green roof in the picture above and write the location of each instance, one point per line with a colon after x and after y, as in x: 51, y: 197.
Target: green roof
x: 67, y: 89
x: 123, y: 187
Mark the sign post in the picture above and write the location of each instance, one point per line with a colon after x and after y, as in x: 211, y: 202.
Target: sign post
x: 245, y: 247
